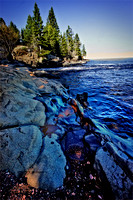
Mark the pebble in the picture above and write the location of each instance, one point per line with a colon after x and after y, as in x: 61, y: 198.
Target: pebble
x: 78, y: 185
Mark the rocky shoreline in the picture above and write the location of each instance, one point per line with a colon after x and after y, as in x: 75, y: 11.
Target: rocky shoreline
x: 30, y: 57
x: 45, y: 138
x: 74, y: 63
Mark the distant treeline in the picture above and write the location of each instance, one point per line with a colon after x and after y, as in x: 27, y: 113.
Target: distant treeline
x: 44, y: 40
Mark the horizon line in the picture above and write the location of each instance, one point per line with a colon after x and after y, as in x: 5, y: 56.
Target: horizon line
x: 116, y: 58
x: 109, y: 55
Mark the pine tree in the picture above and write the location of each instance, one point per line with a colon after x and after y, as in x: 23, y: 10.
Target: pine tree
x: 70, y: 42
x: 14, y: 27
x: 77, y: 45
x: 51, y: 20
x: 48, y: 39
x: 37, y: 27
x: 51, y: 34
x: 45, y: 43
x: 83, y: 51
x: 2, y: 22
x: 51, y: 40
x: 63, y: 45
x: 27, y: 32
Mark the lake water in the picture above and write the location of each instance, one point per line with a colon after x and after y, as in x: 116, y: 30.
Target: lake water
x: 109, y: 84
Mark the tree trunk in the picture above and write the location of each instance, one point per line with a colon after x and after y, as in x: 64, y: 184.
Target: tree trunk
x: 9, y: 57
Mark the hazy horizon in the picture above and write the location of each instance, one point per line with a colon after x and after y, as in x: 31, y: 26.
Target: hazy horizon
x: 110, y: 56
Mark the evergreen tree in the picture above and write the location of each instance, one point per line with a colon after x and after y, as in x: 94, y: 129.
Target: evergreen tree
x: 77, y: 45
x: 48, y: 39
x: 51, y: 40
x: 37, y: 27
x: 45, y: 43
x: 14, y: 27
x: 27, y: 32
x: 45, y: 38
x: 83, y: 51
x: 70, y: 42
x: 2, y: 22
x: 63, y: 44
x: 51, y: 20
x: 51, y: 34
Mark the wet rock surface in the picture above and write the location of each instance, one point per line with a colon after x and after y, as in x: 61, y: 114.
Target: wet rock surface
x: 51, y: 138
x: 22, y: 116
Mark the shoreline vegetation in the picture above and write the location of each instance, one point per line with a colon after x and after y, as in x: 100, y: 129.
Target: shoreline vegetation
x: 44, y: 42
x: 28, y: 56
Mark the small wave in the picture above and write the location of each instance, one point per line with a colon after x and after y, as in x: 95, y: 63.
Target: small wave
x: 73, y: 68
x: 106, y: 64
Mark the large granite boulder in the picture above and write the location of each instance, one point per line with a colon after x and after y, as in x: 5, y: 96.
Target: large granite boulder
x: 21, y: 110
x: 19, y: 148
x: 17, y: 103
x: 116, y: 168
x: 48, y: 172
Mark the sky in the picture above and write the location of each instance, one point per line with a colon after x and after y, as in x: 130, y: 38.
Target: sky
x: 104, y: 26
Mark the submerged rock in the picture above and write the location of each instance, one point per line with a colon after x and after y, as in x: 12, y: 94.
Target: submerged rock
x: 93, y: 142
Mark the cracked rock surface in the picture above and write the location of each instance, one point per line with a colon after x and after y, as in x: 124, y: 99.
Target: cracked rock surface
x: 22, y: 115
x: 19, y: 148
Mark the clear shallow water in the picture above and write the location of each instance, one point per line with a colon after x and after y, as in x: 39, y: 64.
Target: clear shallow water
x: 109, y: 84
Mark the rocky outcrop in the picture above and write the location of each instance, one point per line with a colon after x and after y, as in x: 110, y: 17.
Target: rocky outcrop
x: 114, y: 163
x: 41, y: 127
x: 23, y: 145
x: 109, y: 168
x: 26, y: 55
x: 17, y: 100
x: 29, y: 56
x: 19, y: 148
x: 68, y: 63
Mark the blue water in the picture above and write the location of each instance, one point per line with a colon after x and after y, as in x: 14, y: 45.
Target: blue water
x: 109, y: 84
